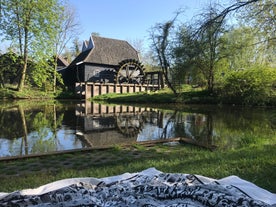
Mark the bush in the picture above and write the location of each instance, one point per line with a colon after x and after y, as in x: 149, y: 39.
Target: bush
x: 255, y: 86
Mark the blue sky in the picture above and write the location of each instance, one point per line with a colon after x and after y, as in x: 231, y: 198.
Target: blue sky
x: 130, y: 19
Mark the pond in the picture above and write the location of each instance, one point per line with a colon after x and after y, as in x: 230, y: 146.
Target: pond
x: 28, y: 128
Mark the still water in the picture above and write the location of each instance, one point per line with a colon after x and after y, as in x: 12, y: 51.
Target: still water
x: 33, y: 128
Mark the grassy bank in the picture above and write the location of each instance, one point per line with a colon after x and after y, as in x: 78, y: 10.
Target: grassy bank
x: 256, y: 164
x: 162, y: 96
x: 34, y: 93
x: 189, y: 95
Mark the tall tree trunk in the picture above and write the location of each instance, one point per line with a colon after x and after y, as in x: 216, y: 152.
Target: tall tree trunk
x: 23, y: 75
x: 25, y: 59
x: 2, y: 82
x: 55, y: 74
x: 55, y: 121
x: 19, y: 29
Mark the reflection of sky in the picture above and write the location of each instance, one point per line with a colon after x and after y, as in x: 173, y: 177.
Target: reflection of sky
x: 67, y: 139
x: 149, y: 132
x: 5, y: 145
x: 152, y: 132
x: 38, y: 143
x: 186, y: 124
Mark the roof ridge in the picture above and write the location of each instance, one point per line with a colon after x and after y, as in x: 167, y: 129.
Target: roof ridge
x: 87, y: 56
x: 108, y: 38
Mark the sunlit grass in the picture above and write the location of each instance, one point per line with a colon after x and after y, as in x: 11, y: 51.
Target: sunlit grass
x: 141, y: 97
x: 185, y: 94
x: 256, y: 164
x: 10, y: 92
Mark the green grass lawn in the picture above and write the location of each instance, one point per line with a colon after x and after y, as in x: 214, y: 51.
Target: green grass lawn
x: 34, y: 93
x: 256, y: 164
x: 164, y: 96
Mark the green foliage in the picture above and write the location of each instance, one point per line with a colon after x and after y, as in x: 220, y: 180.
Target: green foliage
x: 197, y: 49
x: 42, y: 75
x: 10, y: 66
x: 261, y: 15
x: 31, y: 26
x: 188, y: 61
x: 161, y: 46
x: 254, y: 86
x: 206, y: 49
x: 238, y: 48
x: 34, y: 93
x: 39, y: 73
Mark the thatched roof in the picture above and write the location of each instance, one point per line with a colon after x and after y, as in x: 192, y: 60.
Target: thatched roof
x: 100, y: 50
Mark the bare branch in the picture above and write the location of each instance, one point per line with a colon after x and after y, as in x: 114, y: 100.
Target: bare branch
x: 218, y: 19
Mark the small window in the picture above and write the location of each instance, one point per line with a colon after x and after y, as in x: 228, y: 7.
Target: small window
x: 97, y: 73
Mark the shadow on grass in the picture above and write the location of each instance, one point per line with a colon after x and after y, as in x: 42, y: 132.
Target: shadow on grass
x: 255, y: 164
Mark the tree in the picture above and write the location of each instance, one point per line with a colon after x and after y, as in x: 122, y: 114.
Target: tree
x: 161, y: 44
x: 208, y: 38
x: 239, y: 49
x: 76, y: 47
x: 32, y: 24
x: 261, y: 16
x: 184, y: 53
x: 67, y: 29
x: 197, y: 48
x: 221, y: 16
x: 257, y: 14
x: 10, y: 66
x: 67, y: 54
x: 202, y: 48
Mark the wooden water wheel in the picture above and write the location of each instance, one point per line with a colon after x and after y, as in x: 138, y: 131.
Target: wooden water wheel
x: 130, y: 71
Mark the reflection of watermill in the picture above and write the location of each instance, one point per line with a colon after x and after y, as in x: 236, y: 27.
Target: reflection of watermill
x: 129, y: 125
x: 130, y: 71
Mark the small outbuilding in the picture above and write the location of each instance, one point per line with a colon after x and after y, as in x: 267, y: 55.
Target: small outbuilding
x: 61, y: 63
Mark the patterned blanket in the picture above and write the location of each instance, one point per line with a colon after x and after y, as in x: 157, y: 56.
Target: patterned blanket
x: 147, y: 188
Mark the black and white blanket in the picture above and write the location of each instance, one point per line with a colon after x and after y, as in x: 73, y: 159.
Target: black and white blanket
x: 147, y: 188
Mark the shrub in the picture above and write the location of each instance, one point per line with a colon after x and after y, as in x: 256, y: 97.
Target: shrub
x: 254, y: 86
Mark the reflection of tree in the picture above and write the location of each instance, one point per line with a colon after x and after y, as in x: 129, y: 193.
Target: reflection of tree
x: 153, y: 117
x: 198, y: 127
x: 10, y: 123
x: 24, y: 126
x: 45, y: 125
x: 272, y: 120
x: 207, y: 133
x: 28, y: 127
x: 167, y: 124
x: 38, y: 128
x: 194, y: 125
x: 243, y: 126
x: 42, y: 127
